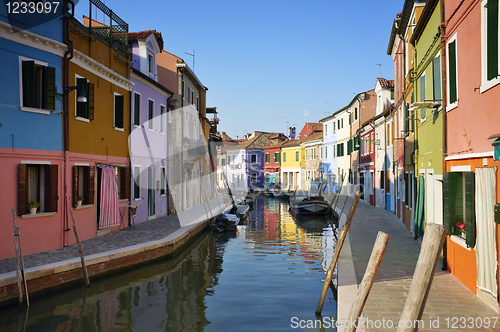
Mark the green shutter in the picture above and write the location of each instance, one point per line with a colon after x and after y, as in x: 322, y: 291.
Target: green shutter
x: 49, y: 89
x: 118, y: 111
x: 90, y: 101
x: 452, y: 64
x: 137, y: 108
x: 407, y: 121
x: 452, y: 200
x: 28, y: 69
x: 492, y: 39
x: 419, y: 215
x: 436, y: 77
x: 470, y: 215
x: 423, y: 111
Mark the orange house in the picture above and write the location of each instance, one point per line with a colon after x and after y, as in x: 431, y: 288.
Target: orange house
x: 471, y: 179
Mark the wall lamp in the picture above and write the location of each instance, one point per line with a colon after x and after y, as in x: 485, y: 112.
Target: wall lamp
x: 81, y: 92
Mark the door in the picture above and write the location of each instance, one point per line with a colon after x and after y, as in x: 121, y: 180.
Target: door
x: 362, y: 182
x: 486, y: 253
x: 429, y: 196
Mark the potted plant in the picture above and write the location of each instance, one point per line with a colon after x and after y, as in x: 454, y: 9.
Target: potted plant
x: 79, y: 201
x: 32, y: 206
x: 460, y: 226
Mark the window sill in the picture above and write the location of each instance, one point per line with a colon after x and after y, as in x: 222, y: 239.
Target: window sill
x: 163, y: 133
x: 489, y: 84
x: 35, y: 110
x: 461, y: 242
x: 452, y: 106
x: 122, y: 200
x: 38, y: 215
x: 119, y: 129
x: 83, y: 207
x: 82, y: 119
x: 152, y: 217
x: 151, y: 130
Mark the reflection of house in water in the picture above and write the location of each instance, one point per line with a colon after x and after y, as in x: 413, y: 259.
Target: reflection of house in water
x: 272, y: 218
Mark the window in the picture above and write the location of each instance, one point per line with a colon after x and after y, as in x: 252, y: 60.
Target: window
x: 266, y: 178
x: 253, y: 158
x: 452, y: 73
x: 85, y: 110
x: 388, y: 134
x: 489, y: 44
x: 423, y: 111
x: 276, y: 157
x: 151, y: 63
x: 83, y: 184
x: 137, y: 182
x: 163, y: 127
x: 313, y: 153
x: 119, y: 111
x: 459, y: 204
x: 284, y: 157
x: 305, y: 154
x: 253, y: 177
x: 338, y: 124
x: 321, y: 152
x: 38, y: 183
x: 356, y: 113
x: 163, y: 182
x: 223, y: 161
x: 183, y: 90
x: 326, y: 129
x: 326, y: 152
x: 198, y: 103
x: 38, y: 84
x: 342, y: 123
x: 190, y: 96
x: 296, y: 155
x: 137, y: 109
x: 266, y: 158
x: 334, y: 127
x: 151, y: 114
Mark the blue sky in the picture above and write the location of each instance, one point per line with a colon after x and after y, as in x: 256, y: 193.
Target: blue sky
x: 267, y: 62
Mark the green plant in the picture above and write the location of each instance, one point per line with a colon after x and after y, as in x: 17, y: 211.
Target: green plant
x: 33, y: 204
x: 79, y: 198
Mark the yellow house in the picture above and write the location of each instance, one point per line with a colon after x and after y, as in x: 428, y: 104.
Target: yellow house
x: 292, y: 164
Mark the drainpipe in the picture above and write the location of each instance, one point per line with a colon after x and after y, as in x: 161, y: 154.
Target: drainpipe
x: 68, y: 55
x: 442, y: 29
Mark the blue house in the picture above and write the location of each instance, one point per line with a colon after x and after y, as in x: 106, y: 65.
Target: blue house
x: 31, y: 129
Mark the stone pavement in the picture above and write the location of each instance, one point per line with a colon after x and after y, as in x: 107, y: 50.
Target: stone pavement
x: 450, y: 306
x: 146, y: 232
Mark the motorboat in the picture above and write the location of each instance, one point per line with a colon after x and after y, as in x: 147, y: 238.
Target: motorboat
x: 309, y: 205
x: 227, y: 220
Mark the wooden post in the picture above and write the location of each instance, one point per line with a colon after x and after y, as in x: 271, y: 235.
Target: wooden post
x: 422, y: 278
x: 23, y: 269
x: 84, y: 267
x: 18, y: 270
x: 368, y: 279
x: 336, y: 255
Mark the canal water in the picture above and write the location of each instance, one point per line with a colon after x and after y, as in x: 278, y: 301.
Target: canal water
x: 267, y: 276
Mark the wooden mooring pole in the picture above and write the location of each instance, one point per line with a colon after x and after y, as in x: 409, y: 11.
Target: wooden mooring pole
x: 84, y: 267
x: 20, y: 274
x: 336, y: 255
x: 368, y: 279
x: 422, y: 278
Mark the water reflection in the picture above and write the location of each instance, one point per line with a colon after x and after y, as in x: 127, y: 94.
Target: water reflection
x: 260, y: 277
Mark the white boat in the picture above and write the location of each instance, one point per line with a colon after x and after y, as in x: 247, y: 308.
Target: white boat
x: 309, y: 205
x: 227, y: 220
x: 282, y: 194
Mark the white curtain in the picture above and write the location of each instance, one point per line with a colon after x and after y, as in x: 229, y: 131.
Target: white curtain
x: 486, y: 253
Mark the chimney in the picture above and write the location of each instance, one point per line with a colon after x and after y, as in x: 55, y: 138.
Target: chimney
x: 291, y: 133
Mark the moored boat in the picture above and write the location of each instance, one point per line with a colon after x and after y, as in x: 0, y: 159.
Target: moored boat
x: 227, y: 220
x: 309, y: 205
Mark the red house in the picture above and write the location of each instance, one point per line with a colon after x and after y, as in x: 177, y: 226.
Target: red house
x: 272, y: 163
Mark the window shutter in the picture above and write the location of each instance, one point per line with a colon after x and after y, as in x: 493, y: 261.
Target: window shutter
x: 452, y: 200
x: 49, y: 89
x: 452, y: 63
x: 118, y: 111
x: 423, y: 111
x: 90, y: 101
x: 125, y: 182
x: 28, y: 68
x: 492, y: 39
x: 436, y: 77
x: 91, y: 185
x: 407, y: 120
x: 75, y: 184
x: 22, y: 191
x: 137, y: 108
x: 52, y: 198
x: 470, y: 216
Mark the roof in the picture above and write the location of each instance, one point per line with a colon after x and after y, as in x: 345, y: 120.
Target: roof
x: 313, y: 137
x: 424, y: 18
x: 259, y: 141
x: 277, y: 145
x: 145, y: 34
x: 385, y: 84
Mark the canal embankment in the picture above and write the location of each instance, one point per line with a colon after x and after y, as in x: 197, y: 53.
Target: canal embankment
x: 108, y: 254
x: 450, y: 305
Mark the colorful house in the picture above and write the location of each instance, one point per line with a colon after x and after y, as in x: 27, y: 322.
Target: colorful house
x: 471, y: 180
x: 292, y: 165
x: 148, y: 137
x: 272, y: 163
x: 31, y: 135
x: 329, y: 162
x: 428, y: 112
x: 98, y: 126
x: 312, y: 145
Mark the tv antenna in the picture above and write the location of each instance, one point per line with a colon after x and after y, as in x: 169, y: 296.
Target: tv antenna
x: 193, y: 55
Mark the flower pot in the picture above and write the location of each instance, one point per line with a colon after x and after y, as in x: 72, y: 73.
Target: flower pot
x: 33, y: 210
x: 79, y: 203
